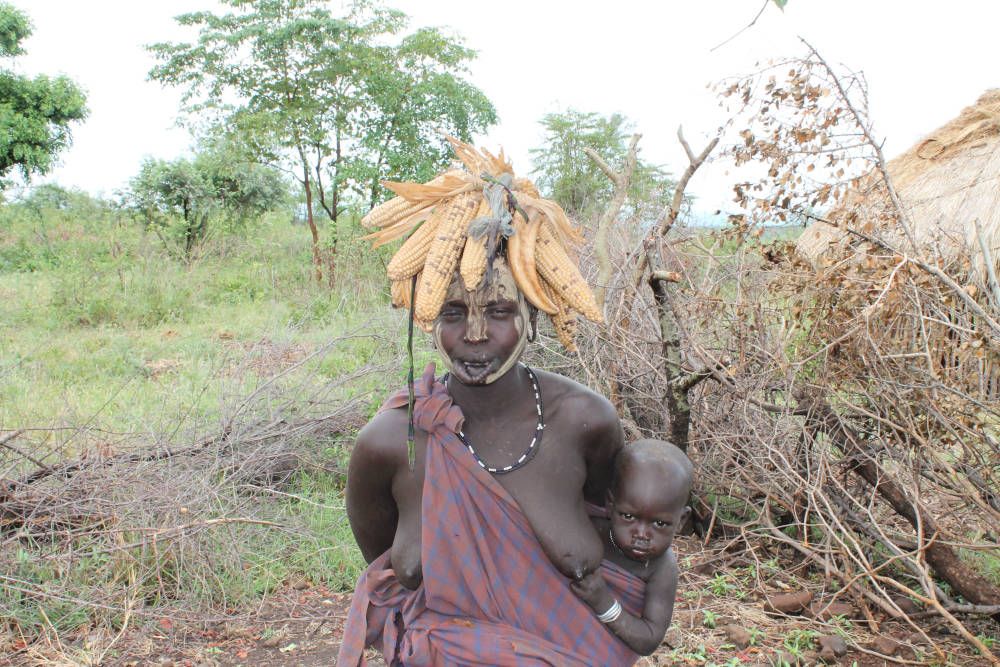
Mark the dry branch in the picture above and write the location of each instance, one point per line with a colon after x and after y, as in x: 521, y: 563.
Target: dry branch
x: 677, y: 403
x: 621, y: 181
x: 941, y: 557
x: 991, y: 271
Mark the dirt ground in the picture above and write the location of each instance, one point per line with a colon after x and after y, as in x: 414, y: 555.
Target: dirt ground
x: 719, y: 619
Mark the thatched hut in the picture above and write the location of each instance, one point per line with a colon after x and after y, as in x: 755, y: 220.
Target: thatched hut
x: 946, y: 182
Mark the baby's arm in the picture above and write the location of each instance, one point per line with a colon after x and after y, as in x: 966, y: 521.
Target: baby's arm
x: 643, y: 635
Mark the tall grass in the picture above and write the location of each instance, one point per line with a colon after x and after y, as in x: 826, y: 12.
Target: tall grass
x: 93, y: 308
x: 108, y: 346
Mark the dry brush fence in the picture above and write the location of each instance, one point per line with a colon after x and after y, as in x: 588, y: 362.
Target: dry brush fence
x: 842, y: 417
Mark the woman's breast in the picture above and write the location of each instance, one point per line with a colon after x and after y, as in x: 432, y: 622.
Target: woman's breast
x: 554, y: 507
x: 405, y: 552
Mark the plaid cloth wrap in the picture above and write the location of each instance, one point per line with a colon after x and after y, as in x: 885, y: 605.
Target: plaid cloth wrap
x: 490, y: 595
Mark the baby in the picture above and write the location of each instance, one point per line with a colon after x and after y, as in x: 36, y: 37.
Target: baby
x: 646, y: 504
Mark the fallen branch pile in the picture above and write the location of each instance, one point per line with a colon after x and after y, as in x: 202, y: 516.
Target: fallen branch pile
x: 843, y: 417
x: 180, y: 529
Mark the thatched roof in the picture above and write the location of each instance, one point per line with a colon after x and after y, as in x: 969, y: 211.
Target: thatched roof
x: 946, y: 182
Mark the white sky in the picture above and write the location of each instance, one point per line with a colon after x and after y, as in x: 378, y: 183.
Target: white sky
x: 649, y: 60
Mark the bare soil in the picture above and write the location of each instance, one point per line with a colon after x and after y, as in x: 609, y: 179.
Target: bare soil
x: 301, y: 626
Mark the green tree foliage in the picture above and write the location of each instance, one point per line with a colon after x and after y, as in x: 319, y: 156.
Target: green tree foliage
x: 35, y: 113
x: 341, y: 102
x: 243, y: 190
x: 566, y: 174
x: 176, y: 199
x: 416, y: 92
x: 165, y: 192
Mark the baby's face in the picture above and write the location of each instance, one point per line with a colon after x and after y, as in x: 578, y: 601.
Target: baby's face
x: 645, y: 514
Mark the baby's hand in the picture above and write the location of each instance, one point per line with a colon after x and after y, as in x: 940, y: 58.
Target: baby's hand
x: 593, y: 590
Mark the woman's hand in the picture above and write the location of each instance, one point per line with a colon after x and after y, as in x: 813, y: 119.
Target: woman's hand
x: 593, y: 590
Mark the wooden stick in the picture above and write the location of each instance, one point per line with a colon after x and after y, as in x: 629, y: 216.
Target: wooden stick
x: 990, y: 269
x: 621, y: 182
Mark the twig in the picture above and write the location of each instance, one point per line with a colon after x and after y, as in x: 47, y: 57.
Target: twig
x: 5, y: 442
x: 947, y: 280
x: 743, y: 29
x: 668, y: 217
x: 621, y: 182
x: 903, y: 216
x: 991, y: 272
x: 33, y: 590
x: 125, y: 623
x: 262, y: 431
x: 10, y: 436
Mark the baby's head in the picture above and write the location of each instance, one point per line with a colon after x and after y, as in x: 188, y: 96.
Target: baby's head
x: 648, y: 497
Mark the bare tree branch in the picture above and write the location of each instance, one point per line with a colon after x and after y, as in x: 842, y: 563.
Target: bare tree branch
x: 743, y: 29
x: 991, y: 272
x: 621, y: 182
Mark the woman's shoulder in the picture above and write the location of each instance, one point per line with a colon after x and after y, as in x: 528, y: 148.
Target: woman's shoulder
x: 379, y: 440
x: 563, y: 393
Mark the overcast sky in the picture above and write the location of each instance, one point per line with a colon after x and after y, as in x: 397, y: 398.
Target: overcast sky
x: 651, y: 61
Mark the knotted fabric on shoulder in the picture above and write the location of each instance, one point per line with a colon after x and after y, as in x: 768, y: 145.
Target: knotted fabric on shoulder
x: 490, y: 595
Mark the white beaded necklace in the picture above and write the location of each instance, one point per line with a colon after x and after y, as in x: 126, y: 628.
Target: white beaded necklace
x: 536, y: 438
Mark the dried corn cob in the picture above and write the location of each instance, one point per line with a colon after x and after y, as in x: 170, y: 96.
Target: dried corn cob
x: 497, y: 164
x: 399, y: 229
x: 389, y: 212
x: 447, y: 185
x: 521, y: 258
x: 556, y: 267
x: 563, y: 320
x: 410, y: 257
x: 442, y: 259
x: 523, y: 185
x: 551, y: 211
x: 473, y: 264
x: 399, y: 291
x: 386, y: 213
x: 469, y: 156
x: 408, y: 213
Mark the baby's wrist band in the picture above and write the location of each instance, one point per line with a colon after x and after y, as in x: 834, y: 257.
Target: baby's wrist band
x: 612, y: 614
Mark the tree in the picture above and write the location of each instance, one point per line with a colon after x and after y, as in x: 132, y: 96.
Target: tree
x: 165, y: 190
x: 177, y: 199
x: 243, y: 189
x: 329, y: 98
x: 35, y: 114
x: 568, y: 175
x: 417, y: 97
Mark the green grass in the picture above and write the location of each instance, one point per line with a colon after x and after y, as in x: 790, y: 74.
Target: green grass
x: 985, y: 562
x: 97, y: 322
x: 100, y: 327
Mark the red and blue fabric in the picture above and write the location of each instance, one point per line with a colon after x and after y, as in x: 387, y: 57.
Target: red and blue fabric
x: 490, y: 595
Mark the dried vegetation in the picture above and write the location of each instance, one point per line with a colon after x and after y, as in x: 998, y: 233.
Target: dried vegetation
x: 842, y: 414
x: 101, y: 532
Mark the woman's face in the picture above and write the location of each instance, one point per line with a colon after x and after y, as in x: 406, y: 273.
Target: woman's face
x: 481, y: 334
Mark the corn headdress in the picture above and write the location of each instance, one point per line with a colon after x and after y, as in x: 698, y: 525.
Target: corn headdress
x: 461, y: 220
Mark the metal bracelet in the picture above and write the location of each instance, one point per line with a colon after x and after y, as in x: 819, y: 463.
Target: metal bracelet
x: 612, y: 614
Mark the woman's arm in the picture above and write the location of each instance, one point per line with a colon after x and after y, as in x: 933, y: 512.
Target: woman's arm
x: 371, y: 507
x: 643, y: 635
